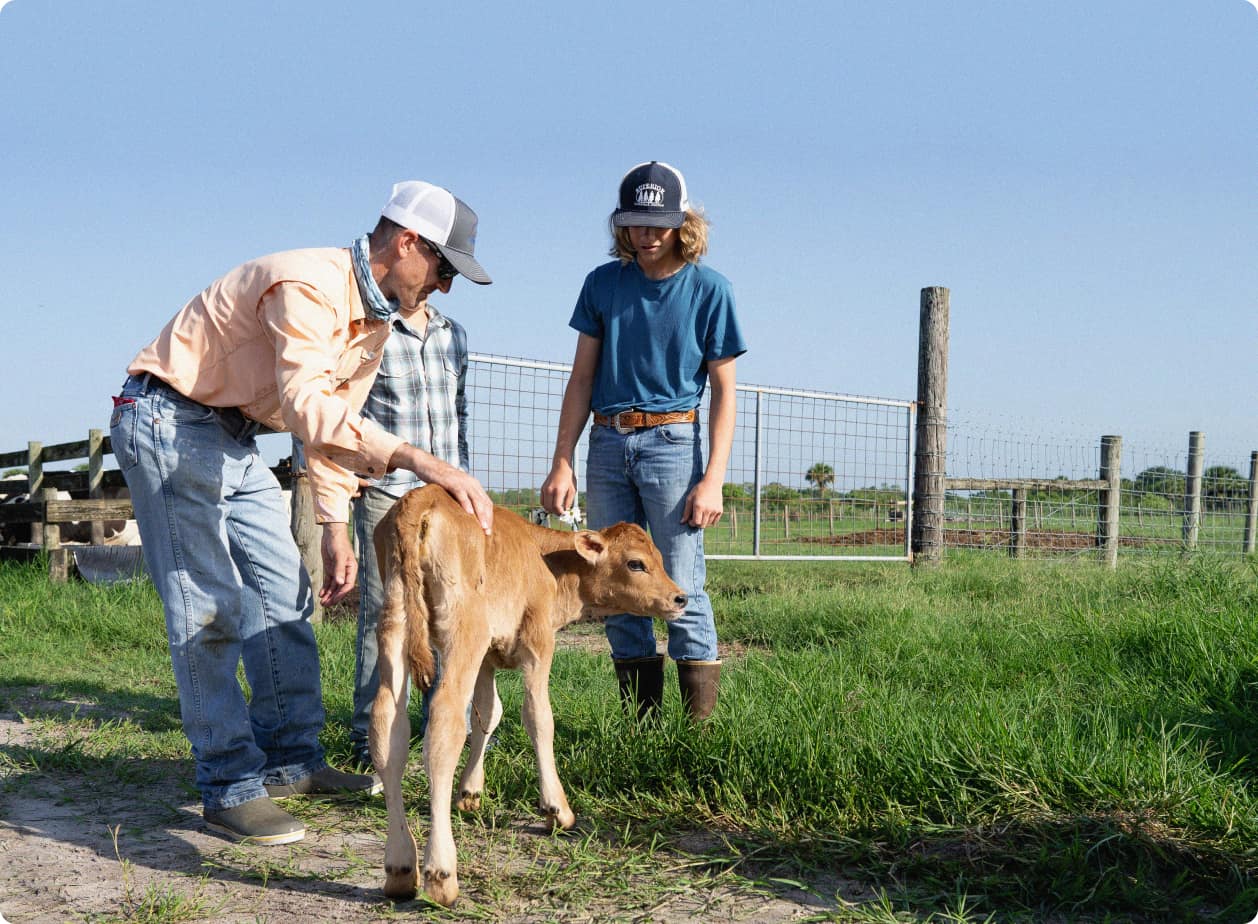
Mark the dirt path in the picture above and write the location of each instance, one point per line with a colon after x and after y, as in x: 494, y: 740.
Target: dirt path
x: 110, y: 844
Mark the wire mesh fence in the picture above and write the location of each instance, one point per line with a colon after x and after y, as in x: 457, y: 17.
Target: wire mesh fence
x: 816, y: 475
x: 1003, y: 482
x: 811, y: 474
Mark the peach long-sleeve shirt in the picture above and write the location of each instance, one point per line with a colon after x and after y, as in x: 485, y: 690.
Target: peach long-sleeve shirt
x: 285, y: 339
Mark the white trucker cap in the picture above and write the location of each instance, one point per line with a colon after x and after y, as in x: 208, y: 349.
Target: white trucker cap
x: 440, y: 218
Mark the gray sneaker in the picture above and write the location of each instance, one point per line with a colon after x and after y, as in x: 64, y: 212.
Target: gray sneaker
x: 258, y: 821
x: 325, y: 782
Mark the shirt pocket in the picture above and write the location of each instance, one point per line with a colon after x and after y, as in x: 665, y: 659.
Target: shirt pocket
x: 449, y: 378
x: 349, y: 363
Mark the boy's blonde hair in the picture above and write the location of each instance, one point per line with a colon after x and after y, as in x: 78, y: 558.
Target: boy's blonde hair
x: 692, y: 238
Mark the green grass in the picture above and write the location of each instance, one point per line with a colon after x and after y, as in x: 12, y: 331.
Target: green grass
x: 988, y: 738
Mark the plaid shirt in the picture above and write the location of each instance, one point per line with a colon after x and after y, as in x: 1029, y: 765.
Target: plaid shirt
x: 419, y: 394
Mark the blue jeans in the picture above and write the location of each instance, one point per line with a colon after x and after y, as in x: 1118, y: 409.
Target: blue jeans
x: 369, y: 510
x: 643, y: 477
x: 217, y: 543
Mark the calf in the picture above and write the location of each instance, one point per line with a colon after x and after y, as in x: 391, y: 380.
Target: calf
x: 483, y: 603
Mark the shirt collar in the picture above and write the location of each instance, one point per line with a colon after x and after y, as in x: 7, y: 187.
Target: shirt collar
x: 435, y: 319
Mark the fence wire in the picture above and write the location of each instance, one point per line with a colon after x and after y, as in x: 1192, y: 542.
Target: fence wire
x: 811, y: 474
x: 1161, y: 508
x: 816, y: 475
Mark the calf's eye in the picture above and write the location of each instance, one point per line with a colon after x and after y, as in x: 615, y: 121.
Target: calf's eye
x: 636, y: 565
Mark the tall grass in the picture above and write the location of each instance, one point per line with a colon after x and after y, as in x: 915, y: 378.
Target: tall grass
x: 1044, y: 738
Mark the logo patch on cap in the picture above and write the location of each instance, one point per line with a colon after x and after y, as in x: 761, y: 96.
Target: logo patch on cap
x: 650, y: 195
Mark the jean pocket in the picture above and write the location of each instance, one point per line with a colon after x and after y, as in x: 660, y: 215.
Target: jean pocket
x: 680, y: 434
x: 186, y: 411
x: 122, y: 427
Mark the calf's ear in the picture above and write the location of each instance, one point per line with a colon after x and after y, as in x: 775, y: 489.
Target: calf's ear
x: 590, y: 545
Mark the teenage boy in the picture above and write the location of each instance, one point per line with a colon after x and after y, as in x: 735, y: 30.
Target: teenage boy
x: 654, y: 328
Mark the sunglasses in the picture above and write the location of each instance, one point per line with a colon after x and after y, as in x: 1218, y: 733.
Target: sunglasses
x: 445, y: 269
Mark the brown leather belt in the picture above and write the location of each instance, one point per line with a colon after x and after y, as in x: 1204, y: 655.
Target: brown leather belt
x: 627, y: 421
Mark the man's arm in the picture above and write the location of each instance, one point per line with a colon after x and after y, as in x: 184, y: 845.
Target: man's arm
x: 465, y: 489
x: 559, y: 491
x: 705, y: 504
x: 460, y: 396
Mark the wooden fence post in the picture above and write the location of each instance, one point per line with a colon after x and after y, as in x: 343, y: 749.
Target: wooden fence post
x: 1017, y: 523
x: 35, y: 485
x: 58, y: 558
x: 930, y: 464
x: 1251, y: 511
x: 305, y: 531
x: 95, y: 472
x: 1192, y: 489
x: 1107, y: 510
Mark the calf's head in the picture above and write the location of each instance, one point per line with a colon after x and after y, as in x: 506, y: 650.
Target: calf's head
x: 626, y: 574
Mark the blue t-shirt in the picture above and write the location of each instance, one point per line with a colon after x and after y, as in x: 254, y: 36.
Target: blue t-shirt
x: 657, y: 335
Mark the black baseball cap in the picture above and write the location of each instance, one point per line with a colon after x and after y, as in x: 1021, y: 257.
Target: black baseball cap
x: 652, y: 195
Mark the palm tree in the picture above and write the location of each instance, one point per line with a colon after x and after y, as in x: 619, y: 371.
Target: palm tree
x: 822, y: 475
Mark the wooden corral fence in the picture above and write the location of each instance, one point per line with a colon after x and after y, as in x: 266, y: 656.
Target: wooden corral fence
x: 1108, y: 485
x: 45, y: 513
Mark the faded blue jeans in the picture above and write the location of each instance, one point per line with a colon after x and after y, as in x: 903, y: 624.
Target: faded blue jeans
x: 643, y: 477
x: 369, y: 510
x: 217, y: 543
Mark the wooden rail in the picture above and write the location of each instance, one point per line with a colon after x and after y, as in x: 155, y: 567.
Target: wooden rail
x: 46, y: 513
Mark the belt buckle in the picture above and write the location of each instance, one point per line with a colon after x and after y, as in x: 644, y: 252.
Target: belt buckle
x: 622, y: 430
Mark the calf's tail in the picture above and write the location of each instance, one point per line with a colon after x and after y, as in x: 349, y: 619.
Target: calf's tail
x: 403, y: 573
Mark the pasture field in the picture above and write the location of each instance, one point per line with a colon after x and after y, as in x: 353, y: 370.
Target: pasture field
x: 988, y: 740
x: 1056, y: 525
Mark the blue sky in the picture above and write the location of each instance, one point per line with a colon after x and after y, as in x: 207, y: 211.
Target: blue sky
x: 1079, y: 174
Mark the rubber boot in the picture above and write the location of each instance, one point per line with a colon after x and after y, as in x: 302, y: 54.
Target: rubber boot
x: 641, y: 683
x: 699, y: 682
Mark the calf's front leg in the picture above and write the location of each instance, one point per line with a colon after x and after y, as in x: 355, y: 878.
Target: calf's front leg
x: 539, y: 721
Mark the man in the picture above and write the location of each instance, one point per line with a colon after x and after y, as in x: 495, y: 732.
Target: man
x: 654, y: 328
x: 289, y: 341
x: 419, y: 395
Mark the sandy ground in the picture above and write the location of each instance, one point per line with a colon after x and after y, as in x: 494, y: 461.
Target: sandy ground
x: 79, y: 848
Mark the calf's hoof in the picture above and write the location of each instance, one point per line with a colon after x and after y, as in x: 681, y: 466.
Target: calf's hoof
x: 401, y: 884
x: 441, y: 886
x: 469, y: 801
x: 560, y: 819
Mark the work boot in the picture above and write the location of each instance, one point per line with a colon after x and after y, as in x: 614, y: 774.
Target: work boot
x: 699, y: 682
x: 325, y: 782
x: 258, y: 821
x: 641, y: 683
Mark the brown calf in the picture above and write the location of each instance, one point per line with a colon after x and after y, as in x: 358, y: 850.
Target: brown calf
x: 484, y: 603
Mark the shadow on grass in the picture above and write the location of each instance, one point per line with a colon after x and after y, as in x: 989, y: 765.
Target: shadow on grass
x: 125, y: 805
x: 86, y: 782
x: 1228, y: 726
x: 1070, y: 869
